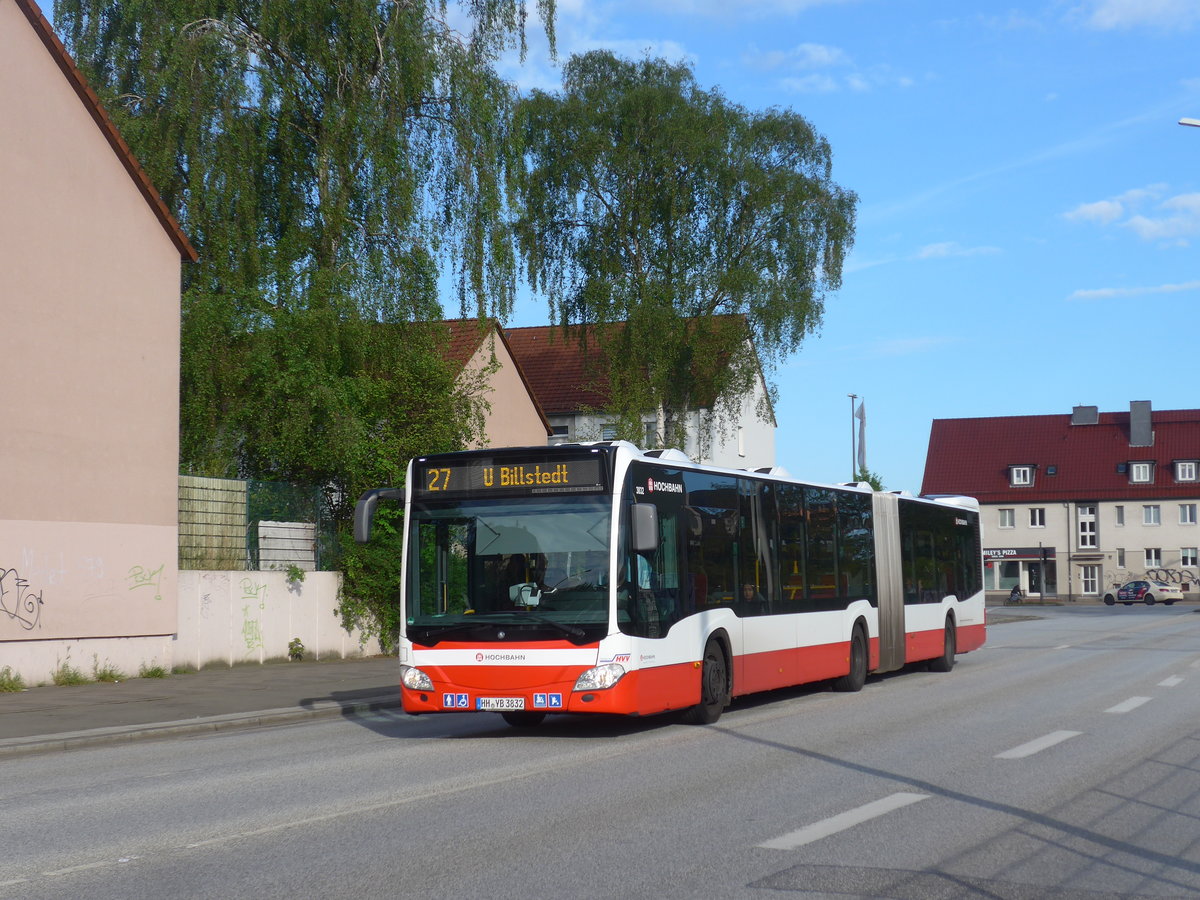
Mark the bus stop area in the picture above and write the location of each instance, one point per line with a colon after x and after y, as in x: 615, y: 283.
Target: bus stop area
x: 54, y: 717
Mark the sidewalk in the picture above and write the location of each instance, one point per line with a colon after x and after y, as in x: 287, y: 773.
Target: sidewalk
x: 60, y: 718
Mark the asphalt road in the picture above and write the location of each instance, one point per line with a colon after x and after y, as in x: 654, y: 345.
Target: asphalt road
x: 1063, y: 759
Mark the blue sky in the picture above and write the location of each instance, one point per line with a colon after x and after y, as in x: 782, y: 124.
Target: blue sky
x: 1029, y: 207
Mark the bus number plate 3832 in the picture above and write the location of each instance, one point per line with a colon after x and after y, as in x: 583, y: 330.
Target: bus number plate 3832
x: 499, y: 704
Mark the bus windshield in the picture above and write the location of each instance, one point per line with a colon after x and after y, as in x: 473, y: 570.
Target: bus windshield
x: 524, y: 569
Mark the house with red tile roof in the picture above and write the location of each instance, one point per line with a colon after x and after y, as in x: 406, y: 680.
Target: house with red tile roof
x: 90, y: 262
x: 1073, y: 504
x: 567, y: 378
x: 511, y: 414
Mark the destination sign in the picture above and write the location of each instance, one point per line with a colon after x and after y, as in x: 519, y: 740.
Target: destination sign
x: 483, y: 476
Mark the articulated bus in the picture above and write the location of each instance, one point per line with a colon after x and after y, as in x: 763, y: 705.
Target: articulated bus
x: 597, y: 578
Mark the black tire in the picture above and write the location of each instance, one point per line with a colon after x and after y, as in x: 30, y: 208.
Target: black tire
x: 854, y: 680
x: 945, y: 662
x: 1110, y: 600
x: 714, y: 687
x: 523, y: 718
x: 1148, y: 599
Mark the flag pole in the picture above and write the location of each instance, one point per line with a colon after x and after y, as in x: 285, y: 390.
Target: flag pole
x: 853, y: 471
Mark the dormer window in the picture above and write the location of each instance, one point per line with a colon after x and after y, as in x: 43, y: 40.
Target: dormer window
x: 1020, y: 476
x: 1141, y: 472
x: 1185, y: 470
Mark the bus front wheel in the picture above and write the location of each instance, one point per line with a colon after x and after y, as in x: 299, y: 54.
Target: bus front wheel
x: 714, y: 685
x: 854, y: 680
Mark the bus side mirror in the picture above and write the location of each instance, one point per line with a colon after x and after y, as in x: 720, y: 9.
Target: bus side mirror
x: 364, y: 513
x: 364, y: 510
x: 645, y: 528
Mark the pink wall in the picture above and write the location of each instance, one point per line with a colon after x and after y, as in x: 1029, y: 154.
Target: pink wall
x: 89, y: 374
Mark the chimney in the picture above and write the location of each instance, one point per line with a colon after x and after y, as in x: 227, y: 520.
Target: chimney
x: 1085, y: 415
x: 1140, y: 432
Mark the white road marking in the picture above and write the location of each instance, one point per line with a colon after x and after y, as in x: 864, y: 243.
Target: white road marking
x: 1171, y: 682
x: 1063, y: 647
x: 1038, y: 745
x: 843, y: 821
x: 1130, y: 704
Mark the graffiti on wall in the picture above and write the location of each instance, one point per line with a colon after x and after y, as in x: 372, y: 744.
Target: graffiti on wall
x: 141, y: 577
x: 18, y: 602
x: 251, y: 620
x: 1171, y: 576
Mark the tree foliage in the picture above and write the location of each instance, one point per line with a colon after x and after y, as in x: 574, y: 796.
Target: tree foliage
x: 329, y: 159
x: 650, y: 201
x: 326, y: 159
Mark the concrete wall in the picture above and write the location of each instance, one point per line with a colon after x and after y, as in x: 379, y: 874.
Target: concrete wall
x: 241, y: 617
x: 225, y: 618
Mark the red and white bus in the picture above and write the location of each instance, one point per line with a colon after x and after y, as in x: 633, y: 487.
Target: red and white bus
x: 597, y: 578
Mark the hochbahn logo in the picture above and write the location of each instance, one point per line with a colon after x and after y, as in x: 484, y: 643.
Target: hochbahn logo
x: 670, y: 487
x: 499, y: 657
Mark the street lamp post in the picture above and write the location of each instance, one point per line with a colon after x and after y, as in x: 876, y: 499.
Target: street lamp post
x: 853, y: 471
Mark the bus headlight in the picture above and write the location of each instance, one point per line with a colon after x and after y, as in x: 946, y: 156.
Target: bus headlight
x: 600, y: 678
x: 414, y: 679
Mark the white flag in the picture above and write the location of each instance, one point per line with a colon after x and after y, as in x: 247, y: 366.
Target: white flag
x: 861, y: 415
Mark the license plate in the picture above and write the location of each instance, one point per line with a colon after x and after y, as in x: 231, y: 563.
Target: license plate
x: 499, y: 704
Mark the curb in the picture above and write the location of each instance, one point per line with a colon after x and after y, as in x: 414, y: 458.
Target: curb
x: 125, y: 734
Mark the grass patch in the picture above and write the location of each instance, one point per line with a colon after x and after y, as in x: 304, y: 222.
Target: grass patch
x: 154, y: 671
x: 66, y: 674
x: 107, y: 672
x: 10, y: 681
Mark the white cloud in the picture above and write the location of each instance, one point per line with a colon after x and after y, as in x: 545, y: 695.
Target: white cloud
x: 1108, y: 15
x: 1141, y: 211
x: 950, y: 249
x: 1102, y: 211
x: 811, y: 84
x: 1122, y: 293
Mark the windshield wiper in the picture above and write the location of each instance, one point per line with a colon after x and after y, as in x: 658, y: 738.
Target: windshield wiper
x: 435, y: 633
x: 561, y: 626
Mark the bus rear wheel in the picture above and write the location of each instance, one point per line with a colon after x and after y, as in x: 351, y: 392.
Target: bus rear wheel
x: 854, y: 680
x: 714, y: 686
x: 945, y: 662
x: 523, y: 718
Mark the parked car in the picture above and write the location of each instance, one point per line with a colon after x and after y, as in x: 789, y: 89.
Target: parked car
x: 1148, y: 592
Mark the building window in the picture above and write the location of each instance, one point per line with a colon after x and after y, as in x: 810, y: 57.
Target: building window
x: 608, y: 432
x: 1141, y: 472
x: 1008, y: 518
x: 1187, y: 513
x: 1119, y: 511
x: 1087, y: 526
x: 1187, y: 557
x: 1090, y: 578
x: 1152, y: 514
x: 1185, y: 470
x: 1120, y: 557
x: 1020, y: 476
x: 1153, y: 557
x: 559, y: 434
x: 1037, y: 517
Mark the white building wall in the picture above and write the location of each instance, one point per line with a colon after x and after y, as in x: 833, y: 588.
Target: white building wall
x: 1121, y: 549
